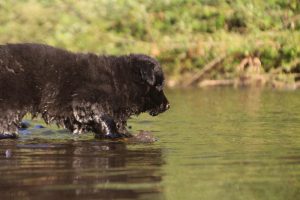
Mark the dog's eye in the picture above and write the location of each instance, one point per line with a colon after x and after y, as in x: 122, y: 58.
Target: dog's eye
x: 159, y: 87
x: 159, y: 84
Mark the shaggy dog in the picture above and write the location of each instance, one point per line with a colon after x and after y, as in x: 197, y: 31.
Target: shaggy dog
x: 80, y: 92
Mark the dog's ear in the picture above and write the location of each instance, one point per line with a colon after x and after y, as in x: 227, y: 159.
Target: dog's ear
x: 145, y: 66
x: 147, y: 74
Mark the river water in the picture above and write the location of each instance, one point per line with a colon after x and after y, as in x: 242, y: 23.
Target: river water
x: 216, y: 143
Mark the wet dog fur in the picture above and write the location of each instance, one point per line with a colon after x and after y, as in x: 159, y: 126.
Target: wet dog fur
x: 82, y: 92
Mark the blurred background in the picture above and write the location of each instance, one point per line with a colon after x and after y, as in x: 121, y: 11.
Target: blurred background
x: 226, y: 143
x: 199, y: 42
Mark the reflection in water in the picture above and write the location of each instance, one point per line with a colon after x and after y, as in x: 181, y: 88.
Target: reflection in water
x: 212, y: 144
x: 225, y: 143
x: 78, y: 170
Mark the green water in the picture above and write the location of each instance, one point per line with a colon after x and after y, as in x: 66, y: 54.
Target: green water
x: 212, y: 144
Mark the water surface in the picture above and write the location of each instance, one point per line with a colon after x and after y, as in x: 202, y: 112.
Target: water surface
x: 212, y: 144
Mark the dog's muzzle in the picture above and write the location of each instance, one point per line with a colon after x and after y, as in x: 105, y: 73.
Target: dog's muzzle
x: 162, y: 108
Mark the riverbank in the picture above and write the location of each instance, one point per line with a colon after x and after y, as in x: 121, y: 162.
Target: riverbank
x: 264, y: 80
x: 199, y: 43
x: 248, y: 73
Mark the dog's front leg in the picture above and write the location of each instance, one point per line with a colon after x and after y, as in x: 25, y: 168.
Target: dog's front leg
x: 108, y: 128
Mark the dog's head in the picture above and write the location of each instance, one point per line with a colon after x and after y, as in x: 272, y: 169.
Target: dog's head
x: 151, y: 80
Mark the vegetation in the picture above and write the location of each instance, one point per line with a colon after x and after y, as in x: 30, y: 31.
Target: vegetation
x: 255, y: 37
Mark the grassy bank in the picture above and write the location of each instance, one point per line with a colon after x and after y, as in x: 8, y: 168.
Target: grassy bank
x: 196, y: 40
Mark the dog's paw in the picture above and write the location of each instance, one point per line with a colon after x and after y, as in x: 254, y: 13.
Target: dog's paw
x: 24, y: 125
x: 7, y: 135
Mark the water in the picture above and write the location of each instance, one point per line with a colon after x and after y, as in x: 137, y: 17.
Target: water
x: 213, y: 144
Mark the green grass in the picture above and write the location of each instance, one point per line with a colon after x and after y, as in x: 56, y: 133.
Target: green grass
x: 184, y: 35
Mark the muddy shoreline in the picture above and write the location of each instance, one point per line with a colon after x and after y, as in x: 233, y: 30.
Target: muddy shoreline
x: 264, y: 80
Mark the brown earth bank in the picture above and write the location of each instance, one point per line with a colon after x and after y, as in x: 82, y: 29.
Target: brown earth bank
x: 248, y: 71
x: 243, y: 81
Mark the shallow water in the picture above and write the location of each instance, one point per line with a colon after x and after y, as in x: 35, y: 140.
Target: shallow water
x: 212, y: 144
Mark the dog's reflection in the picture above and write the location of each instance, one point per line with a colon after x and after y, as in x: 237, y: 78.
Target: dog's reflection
x: 80, y: 169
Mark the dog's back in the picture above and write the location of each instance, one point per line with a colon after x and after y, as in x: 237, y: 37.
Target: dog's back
x: 25, y: 69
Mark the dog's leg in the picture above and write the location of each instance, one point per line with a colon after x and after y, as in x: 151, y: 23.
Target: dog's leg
x: 72, y: 125
x: 122, y: 128
x: 107, y: 129
x: 8, y: 136
x: 9, y: 124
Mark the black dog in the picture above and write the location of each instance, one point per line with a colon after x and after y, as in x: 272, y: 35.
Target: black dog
x: 81, y: 92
